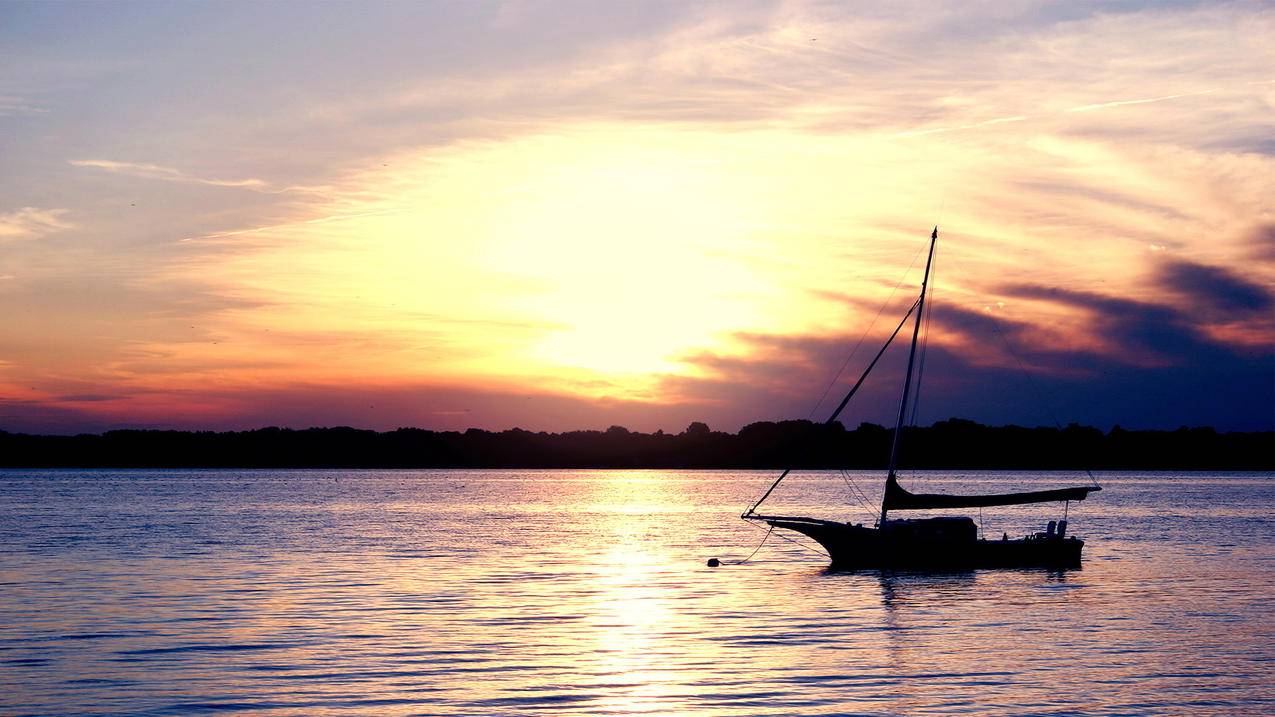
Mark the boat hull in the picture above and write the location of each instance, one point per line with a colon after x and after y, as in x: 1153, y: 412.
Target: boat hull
x: 930, y: 544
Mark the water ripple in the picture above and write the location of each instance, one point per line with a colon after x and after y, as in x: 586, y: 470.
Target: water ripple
x: 585, y: 593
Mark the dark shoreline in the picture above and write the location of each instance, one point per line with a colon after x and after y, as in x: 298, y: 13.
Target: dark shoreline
x: 953, y: 444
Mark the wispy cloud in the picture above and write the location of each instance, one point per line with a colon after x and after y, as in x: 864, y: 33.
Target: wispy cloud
x: 171, y: 174
x: 11, y: 106
x: 31, y: 223
x: 289, y: 225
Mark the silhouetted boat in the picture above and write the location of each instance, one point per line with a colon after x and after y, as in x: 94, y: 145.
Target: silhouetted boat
x: 930, y: 543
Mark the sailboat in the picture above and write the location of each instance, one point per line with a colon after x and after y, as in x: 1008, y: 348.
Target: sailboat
x: 943, y: 543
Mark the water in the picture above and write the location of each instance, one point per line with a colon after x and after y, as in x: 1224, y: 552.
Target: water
x: 559, y: 592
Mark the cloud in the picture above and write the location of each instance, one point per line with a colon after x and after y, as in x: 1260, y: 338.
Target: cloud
x: 86, y: 398
x: 777, y: 377
x: 170, y: 174
x: 912, y: 70
x: 47, y: 417
x: 295, y: 224
x: 1215, y: 287
x: 1116, y: 360
x: 11, y: 106
x: 1261, y: 241
x: 31, y: 223
x: 1142, y: 331
x: 1154, y: 368
x: 304, y: 405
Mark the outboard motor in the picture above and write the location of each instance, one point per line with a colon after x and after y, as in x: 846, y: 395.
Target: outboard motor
x: 1062, y: 529
x: 1049, y: 531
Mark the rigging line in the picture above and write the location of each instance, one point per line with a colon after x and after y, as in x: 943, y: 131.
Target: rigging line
x: 862, y: 498
x: 750, y: 555
x: 802, y: 545
x: 856, y: 498
x: 854, y: 389
x: 858, y: 383
x: 854, y: 490
x: 864, y: 335
x: 868, y: 504
x: 857, y: 492
x: 1032, y: 383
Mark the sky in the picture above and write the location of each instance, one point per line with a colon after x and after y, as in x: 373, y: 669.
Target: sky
x: 568, y: 215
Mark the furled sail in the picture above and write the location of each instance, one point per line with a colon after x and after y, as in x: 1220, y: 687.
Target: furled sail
x: 897, y: 498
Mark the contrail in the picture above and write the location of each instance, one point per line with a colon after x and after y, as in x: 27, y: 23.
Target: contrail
x: 1079, y: 108
x: 1118, y: 103
x: 984, y: 123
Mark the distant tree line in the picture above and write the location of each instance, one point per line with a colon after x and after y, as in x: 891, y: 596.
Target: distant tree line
x: 954, y: 444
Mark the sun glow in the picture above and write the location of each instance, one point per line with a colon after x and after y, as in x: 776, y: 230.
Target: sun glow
x: 594, y: 259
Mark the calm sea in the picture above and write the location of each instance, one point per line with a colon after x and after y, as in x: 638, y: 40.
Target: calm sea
x: 586, y: 592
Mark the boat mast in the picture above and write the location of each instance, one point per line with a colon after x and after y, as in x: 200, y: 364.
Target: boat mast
x: 907, y: 381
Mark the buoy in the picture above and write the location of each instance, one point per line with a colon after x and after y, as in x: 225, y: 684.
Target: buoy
x: 713, y: 562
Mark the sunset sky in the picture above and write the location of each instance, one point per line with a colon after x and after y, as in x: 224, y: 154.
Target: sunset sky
x: 568, y: 215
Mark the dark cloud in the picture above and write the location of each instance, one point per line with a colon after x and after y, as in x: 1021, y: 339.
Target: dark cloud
x: 1142, y: 330
x: 1165, y: 371
x: 980, y: 326
x: 1214, y: 287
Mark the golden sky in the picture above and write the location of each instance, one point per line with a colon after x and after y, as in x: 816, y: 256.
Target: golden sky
x: 560, y: 215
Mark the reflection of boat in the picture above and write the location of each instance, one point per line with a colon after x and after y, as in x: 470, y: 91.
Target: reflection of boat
x: 942, y: 543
